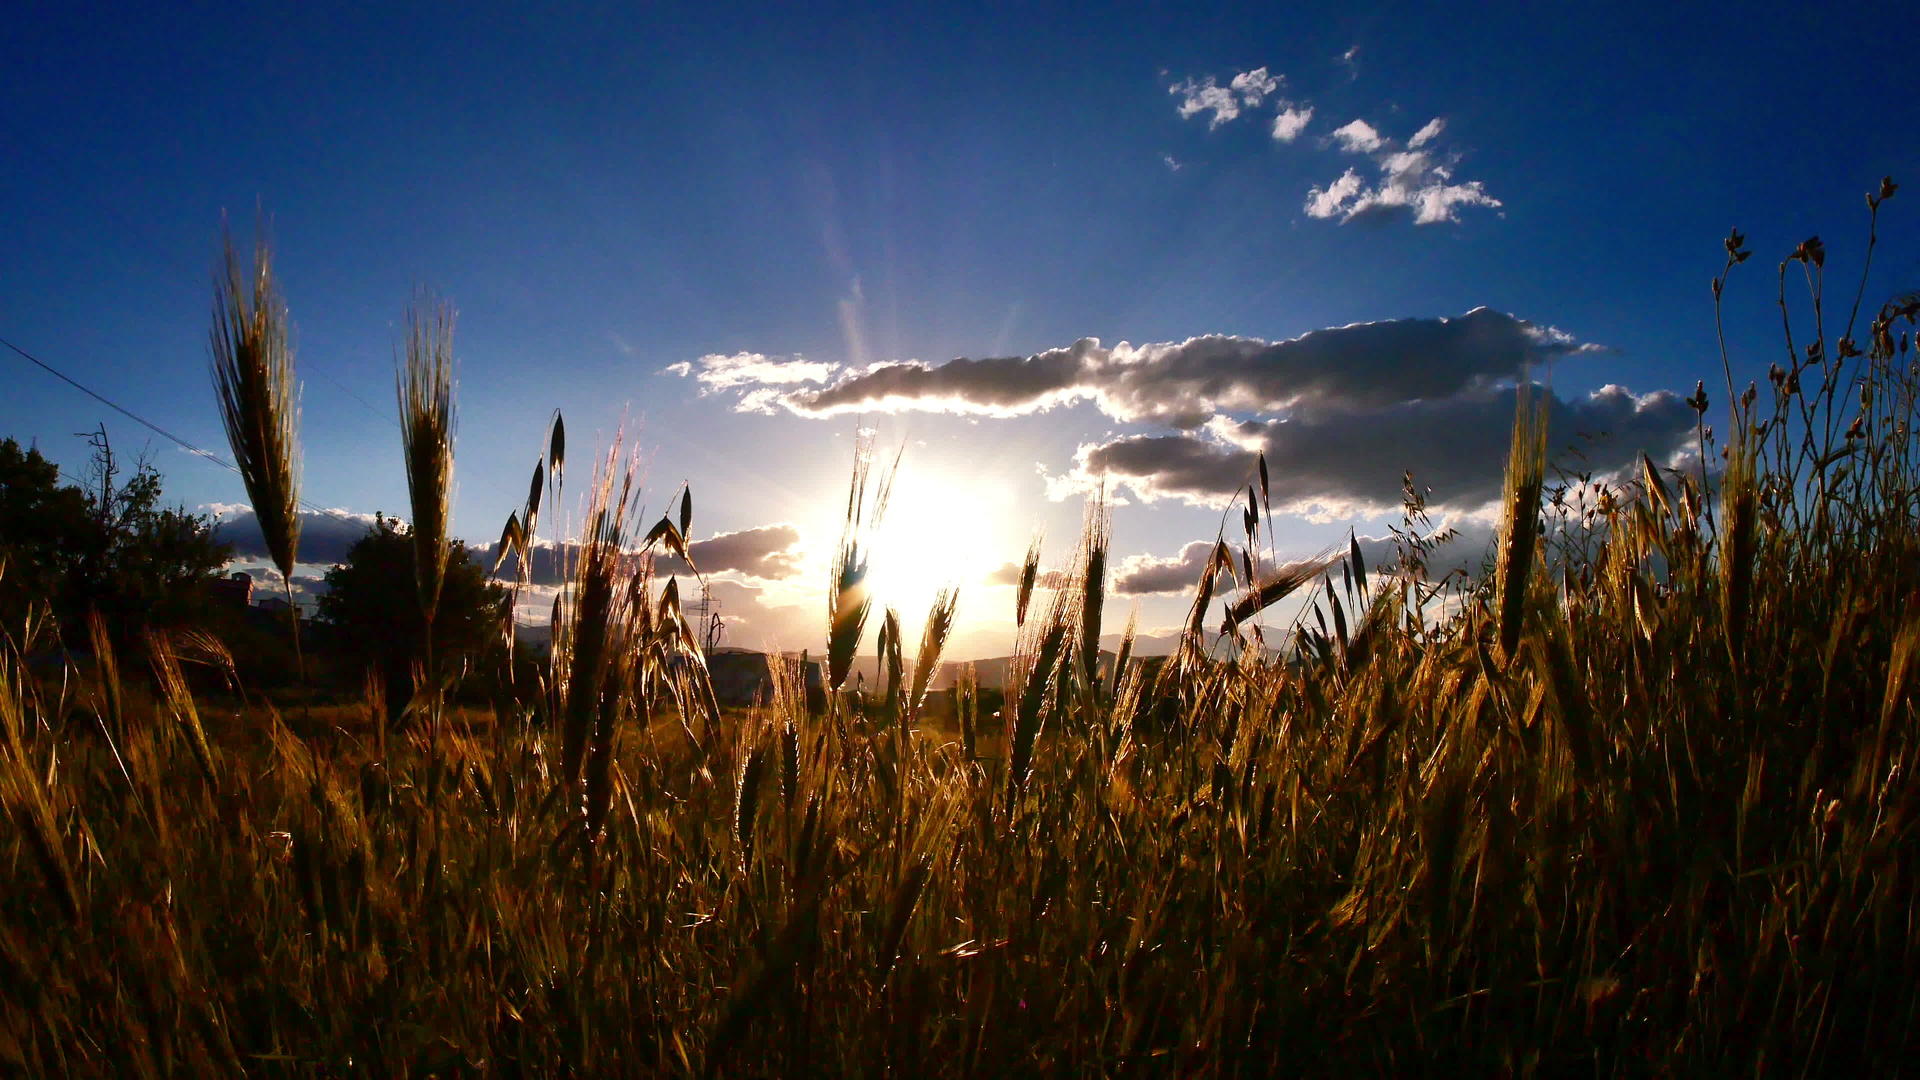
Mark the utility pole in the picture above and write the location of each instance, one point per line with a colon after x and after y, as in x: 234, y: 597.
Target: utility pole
x: 712, y: 626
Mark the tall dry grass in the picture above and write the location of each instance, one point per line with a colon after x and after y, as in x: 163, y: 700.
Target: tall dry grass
x: 424, y: 388
x: 259, y: 401
x: 1639, y: 801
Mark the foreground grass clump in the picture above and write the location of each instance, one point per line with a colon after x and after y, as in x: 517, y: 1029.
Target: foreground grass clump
x: 1639, y: 800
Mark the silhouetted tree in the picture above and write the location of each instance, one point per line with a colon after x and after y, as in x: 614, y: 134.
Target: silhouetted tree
x: 372, y: 608
x: 109, y: 547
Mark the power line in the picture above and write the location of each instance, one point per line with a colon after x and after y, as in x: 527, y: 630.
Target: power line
x: 157, y: 252
x: 364, y: 403
x: 116, y: 407
x: 155, y: 428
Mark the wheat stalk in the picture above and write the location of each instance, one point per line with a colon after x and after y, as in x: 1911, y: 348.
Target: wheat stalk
x: 1095, y: 538
x: 424, y: 386
x: 848, y: 601
x: 1519, y: 517
x: 259, y: 402
x: 933, y: 642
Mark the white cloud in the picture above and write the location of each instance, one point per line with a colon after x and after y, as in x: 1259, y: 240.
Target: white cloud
x: 1358, y: 137
x: 744, y: 369
x: 1331, y: 200
x: 1245, y: 91
x: 1416, y: 180
x: 1437, y: 203
x: 1146, y: 574
x: 1254, y: 86
x: 1203, y: 96
x: 1428, y: 133
x: 1290, y: 121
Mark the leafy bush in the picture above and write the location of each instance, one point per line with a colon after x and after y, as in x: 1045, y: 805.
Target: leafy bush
x: 113, y: 550
x: 374, y: 619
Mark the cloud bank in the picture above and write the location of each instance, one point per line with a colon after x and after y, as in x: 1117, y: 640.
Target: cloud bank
x: 1354, y: 463
x: 324, y: 537
x: 1185, y: 384
x: 757, y: 371
x: 770, y: 552
x: 1146, y: 575
x: 1341, y: 414
x: 767, y: 551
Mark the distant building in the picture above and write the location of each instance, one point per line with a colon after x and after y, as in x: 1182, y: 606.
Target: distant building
x: 234, y: 590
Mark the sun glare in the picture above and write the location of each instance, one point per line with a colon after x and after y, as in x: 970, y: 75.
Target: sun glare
x: 941, y: 528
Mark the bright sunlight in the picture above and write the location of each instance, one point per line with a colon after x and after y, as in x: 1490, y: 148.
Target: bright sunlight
x: 941, y: 528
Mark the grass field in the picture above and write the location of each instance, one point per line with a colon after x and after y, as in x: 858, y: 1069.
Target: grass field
x: 1639, y: 800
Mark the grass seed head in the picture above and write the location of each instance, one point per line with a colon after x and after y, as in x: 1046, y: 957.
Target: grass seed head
x: 933, y: 642
x: 746, y: 804
x: 1519, y: 516
x: 1095, y: 540
x: 259, y: 401
x: 425, y: 391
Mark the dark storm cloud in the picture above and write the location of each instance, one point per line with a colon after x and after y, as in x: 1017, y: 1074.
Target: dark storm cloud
x: 996, y: 386
x: 324, y: 537
x: 765, y: 552
x: 1353, y: 462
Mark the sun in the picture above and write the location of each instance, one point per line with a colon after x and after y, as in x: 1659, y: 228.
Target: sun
x: 941, y: 527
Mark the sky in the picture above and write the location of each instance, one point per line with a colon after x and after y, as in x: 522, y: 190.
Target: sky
x: 1040, y: 252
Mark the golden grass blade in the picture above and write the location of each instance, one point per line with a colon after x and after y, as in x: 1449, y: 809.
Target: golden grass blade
x: 594, y: 618
x: 179, y: 701
x: 258, y: 398
x: 557, y: 449
x: 1739, y: 524
x: 1901, y: 662
x: 905, y: 899
x: 1095, y: 539
x: 933, y: 642
x: 848, y: 601
x: 1125, y: 653
x: 425, y: 389
x: 1281, y: 583
x: 892, y: 663
x: 746, y: 805
x: 23, y: 792
x: 1027, y: 721
x: 1029, y: 575
x: 1519, y: 517
x: 510, y: 543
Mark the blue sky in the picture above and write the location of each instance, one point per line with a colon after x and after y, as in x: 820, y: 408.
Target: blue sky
x: 605, y: 193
